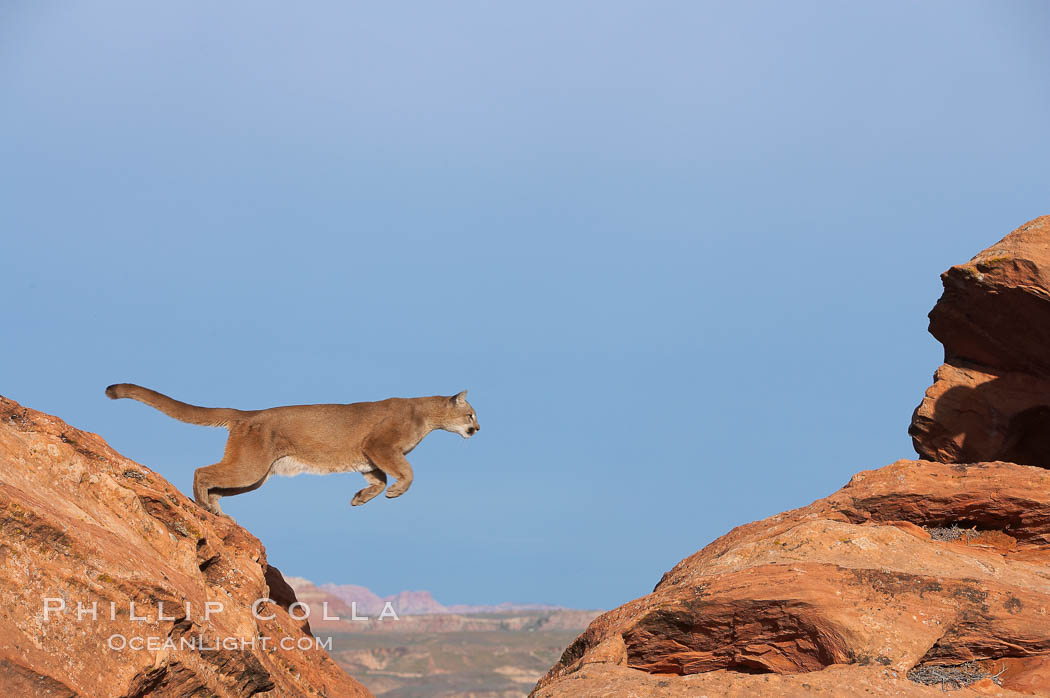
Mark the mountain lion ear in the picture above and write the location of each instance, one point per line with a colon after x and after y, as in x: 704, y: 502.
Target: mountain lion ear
x: 459, y: 398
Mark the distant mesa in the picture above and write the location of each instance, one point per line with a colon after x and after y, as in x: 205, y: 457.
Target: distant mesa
x: 415, y: 603
x: 418, y: 611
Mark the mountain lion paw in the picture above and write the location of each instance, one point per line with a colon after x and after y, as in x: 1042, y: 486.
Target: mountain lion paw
x: 362, y: 497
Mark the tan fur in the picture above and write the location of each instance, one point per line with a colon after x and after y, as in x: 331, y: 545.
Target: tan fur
x: 371, y: 438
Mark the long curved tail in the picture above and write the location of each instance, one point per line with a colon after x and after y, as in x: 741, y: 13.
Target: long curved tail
x: 205, y: 416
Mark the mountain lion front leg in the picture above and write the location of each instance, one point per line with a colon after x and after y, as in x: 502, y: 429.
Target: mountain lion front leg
x: 376, y: 483
x: 392, y: 462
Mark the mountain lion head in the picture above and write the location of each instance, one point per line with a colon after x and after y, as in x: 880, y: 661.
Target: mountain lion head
x: 461, y: 417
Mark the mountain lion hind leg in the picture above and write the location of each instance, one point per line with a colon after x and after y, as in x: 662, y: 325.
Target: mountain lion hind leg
x: 244, y: 467
x: 376, y: 483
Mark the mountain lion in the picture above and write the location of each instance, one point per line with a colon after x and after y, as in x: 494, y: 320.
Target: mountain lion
x: 371, y: 438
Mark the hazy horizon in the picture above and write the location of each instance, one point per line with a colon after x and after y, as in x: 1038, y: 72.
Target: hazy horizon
x: 680, y: 254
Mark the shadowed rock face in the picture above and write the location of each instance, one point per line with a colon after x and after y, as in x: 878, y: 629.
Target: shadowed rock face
x: 851, y: 591
x: 79, y: 523
x: 991, y: 398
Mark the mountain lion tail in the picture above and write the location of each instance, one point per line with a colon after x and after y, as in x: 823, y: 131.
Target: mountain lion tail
x: 205, y: 416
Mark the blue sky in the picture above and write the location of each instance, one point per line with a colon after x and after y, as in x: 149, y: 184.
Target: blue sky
x: 681, y: 254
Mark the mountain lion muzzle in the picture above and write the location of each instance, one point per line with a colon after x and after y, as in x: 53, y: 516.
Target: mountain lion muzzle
x: 371, y: 438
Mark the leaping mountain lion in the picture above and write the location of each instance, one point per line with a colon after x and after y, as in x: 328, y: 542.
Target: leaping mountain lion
x: 371, y: 438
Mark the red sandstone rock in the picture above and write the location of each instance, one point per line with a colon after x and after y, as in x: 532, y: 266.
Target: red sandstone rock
x: 849, y: 595
x: 79, y: 523
x: 991, y: 398
x: 844, y: 596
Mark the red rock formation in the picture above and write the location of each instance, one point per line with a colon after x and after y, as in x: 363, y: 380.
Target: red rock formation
x: 844, y: 596
x: 991, y: 398
x: 915, y: 572
x: 80, y: 524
